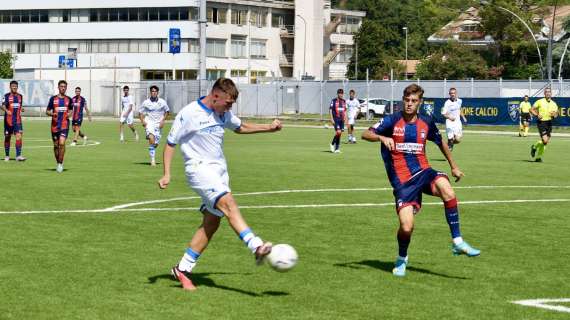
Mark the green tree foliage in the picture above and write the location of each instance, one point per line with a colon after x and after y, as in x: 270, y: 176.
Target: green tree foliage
x: 455, y: 62
x: 6, y: 60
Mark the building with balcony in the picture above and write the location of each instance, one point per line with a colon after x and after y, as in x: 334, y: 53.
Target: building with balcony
x: 246, y: 39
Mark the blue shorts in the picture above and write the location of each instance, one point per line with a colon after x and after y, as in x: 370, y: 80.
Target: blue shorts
x: 9, y: 130
x: 77, y: 122
x: 62, y: 133
x: 410, y: 194
x: 339, y: 124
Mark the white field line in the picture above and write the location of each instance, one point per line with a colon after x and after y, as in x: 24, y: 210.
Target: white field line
x: 330, y: 205
x: 545, y: 304
x: 90, y: 143
x: 134, y: 204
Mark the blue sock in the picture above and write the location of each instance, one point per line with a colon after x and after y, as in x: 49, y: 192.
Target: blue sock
x: 250, y: 239
x: 151, y: 151
x: 403, y: 244
x: 452, y: 217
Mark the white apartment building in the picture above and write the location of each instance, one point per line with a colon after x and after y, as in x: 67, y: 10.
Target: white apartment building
x: 246, y: 39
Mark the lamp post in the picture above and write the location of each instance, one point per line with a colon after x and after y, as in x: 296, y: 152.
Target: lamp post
x: 484, y: 3
x: 304, y: 45
x: 406, y: 70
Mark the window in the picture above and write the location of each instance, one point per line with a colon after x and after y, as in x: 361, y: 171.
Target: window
x: 133, y: 14
x: 123, y: 15
x: 238, y: 73
x: 258, y: 18
x: 258, y: 48
x: 239, y: 17
x: 192, y: 14
x: 257, y: 74
x: 239, y: 47
x: 44, y: 16
x: 163, y: 14
x: 21, y: 47
x: 216, y: 15
x: 153, y: 15
x: 194, y: 45
x: 93, y: 16
x: 214, y: 74
x: 216, y: 47
x: 345, y: 54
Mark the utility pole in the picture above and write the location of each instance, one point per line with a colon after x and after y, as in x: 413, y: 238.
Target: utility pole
x: 550, y: 38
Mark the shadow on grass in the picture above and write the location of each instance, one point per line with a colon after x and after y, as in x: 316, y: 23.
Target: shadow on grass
x: 203, y: 279
x: 54, y: 169
x: 438, y: 160
x: 388, y: 266
x: 146, y: 163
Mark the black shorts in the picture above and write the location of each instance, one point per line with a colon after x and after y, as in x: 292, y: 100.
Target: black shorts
x: 77, y: 123
x: 544, y: 128
x: 62, y: 133
x: 339, y: 124
x: 525, y: 117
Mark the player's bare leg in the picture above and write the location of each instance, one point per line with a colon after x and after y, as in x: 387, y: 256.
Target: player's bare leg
x: 228, y: 206
x: 132, y: 127
x: 443, y: 190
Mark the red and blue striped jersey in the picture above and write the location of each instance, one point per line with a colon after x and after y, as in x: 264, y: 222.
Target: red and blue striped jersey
x: 61, y: 107
x: 13, y: 104
x: 338, y: 108
x: 409, y: 155
x: 78, y: 106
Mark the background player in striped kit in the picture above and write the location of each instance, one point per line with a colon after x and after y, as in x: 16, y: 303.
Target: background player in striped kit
x: 403, y: 136
x: 13, y: 108
x: 79, y: 105
x: 59, y: 108
x: 337, y: 111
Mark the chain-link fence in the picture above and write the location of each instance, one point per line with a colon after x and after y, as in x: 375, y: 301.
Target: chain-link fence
x: 292, y: 98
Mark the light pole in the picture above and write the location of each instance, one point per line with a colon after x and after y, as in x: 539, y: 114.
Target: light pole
x: 549, y: 52
x: 304, y: 45
x: 406, y: 71
x: 484, y: 3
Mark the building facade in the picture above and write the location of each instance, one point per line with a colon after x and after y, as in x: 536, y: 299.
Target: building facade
x: 246, y: 39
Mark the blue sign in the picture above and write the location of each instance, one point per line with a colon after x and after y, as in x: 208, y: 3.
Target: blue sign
x: 61, y: 61
x: 174, y: 40
x: 494, y: 111
x: 71, y: 63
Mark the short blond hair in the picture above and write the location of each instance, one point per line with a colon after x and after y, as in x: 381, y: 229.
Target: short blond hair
x: 228, y: 86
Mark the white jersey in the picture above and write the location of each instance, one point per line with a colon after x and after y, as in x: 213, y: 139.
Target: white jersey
x: 200, y: 133
x: 154, y: 111
x: 127, y: 102
x: 352, y: 107
x: 453, y: 108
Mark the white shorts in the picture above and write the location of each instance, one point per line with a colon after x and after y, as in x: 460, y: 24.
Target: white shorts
x: 128, y: 119
x: 351, y: 118
x: 454, y: 131
x: 154, y: 129
x: 210, y: 181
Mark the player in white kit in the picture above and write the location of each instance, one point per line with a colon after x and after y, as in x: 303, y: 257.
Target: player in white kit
x: 127, y: 114
x: 199, y: 130
x: 352, y: 105
x: 153, y: 112
x: 451, y: 111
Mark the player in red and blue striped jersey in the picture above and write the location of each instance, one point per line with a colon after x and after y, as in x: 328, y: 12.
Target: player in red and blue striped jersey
x: 337, y: 111
x: 59, y: 108
x: 403, y: 136
x: 13, y: 108
x: 79, y: 106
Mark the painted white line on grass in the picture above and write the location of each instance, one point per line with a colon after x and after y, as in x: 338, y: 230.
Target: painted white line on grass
x: 294, y: 206
x: 134, y: 204
x: 90, y: 143
x: 545, y: 304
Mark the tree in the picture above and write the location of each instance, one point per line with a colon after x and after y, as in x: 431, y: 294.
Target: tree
x: 6, y: 60
x: 455, y: 62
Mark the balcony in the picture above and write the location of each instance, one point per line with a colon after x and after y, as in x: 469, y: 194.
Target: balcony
x: 287, y: 31
x: 286, y: 60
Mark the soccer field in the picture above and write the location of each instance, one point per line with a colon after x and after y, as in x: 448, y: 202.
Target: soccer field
x: 98, y: 240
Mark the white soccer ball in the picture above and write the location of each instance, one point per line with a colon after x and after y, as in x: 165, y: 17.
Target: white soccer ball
x: 282, y: 258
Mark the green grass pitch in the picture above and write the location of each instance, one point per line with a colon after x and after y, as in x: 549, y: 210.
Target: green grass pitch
x: 69, y: 259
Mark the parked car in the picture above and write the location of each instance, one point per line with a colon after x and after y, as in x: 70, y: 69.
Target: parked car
x: 375, y: 107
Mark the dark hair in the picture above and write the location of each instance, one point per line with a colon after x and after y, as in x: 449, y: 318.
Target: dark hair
x: 414, y: 89
x: 13, y: 82
x: 155, y: 88
x: 340, y: 91
x: 352, y: 91
x: 126, y: 87
x: 61, y: 81
x: 452, y: 88
x: 78, y: 88
x: 228, y: 86
x: 526, y: 96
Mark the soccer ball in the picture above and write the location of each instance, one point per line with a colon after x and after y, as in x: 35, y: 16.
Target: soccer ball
x: 282, y: 258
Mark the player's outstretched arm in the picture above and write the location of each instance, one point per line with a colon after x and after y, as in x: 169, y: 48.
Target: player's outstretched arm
x: 167, y: 160
x: 247, y: 128
x: 455, y: 171
x: 370, y: 135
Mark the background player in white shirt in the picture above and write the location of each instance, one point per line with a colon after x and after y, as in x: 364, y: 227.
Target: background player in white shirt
x: 452, y: 113
x: 199, y: 129
x: 127, y: 113
x: 352, y: 104
x: 153, y: 113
